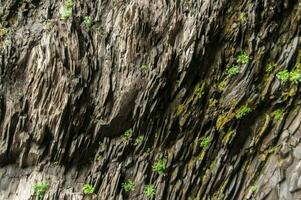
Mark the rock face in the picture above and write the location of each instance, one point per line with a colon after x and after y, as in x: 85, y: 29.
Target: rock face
x: 200, y: 83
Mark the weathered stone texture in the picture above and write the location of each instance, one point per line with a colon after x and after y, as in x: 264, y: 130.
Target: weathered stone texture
x: 68, y: 93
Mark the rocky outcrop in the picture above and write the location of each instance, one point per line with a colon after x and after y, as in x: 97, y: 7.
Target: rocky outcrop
x: 201, y: 84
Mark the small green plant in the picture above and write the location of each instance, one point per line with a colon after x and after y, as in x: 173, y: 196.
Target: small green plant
x: 222, y: 85
x: 98, y: 157
x: 242, y: 58
x: 150, y: 191
x: 212, y: 102
x: 205, y: 142
x: 159, y: 166
x: 40, y: 189
x: 56, y: 163
x: 144, y: 67
x: 66, y: 11
x: 272, y: 149
x: 88, y: 189
x: 253, y: 188
x: 128, y: 186
x: 88, y: 22
x: 283, y: 75
x: 127, y: 134
x: 138, y: 140
x: 270, y: 67
x: 278, y: 114
x: 232, y: 70
x: 295, y: 77
x: 242, y: 112
x: 242, y: 17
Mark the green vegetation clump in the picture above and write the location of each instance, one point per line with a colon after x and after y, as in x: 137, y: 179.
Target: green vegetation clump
x: 205, y: 142
x: 138, y: 140
x: 128, y: 186
x: 253, y: 188
x: 295, y: 76
x: 242, y: 112
x: 88, y: 22
x: 283, y: 75
x: 242, y: 58
x: 278, y: 114
x: 88, y: 189
x: 159, y: 166
x: 270, y: 67
x: 66, y: 11
x: 127, y: 134
x: 232, y: 70
x: 242, y: 17
x: 212, y: 103
x: 40, y: 189
x: 150, y: 191
x: 144, y: 67
x: 222, y: 85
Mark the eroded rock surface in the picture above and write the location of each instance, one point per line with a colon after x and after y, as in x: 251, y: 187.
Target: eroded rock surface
x: 68, y: 92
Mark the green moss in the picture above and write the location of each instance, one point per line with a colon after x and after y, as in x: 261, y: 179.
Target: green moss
x: 128, y: 186
x: 253, y: 188
x: 159, y: 166
x: 242, y: 112
x: 295, y: 76
x: 270, y: 67
x: 212, y: 164
x: 229, y: 135
x: 138, y: 140
x: 212, y: 103
x: 127, y: 134
x: 224, y: 119
x: 40, y: 189
x: 149, y: 191
x: 242, y: 17
x: 271, y: 149
x: 88, y: 22
x: 278, y: 114
x: 242, y: 58
x: 66, y: 11
x: 283, y: 75
x: 205, y: 142
x: 144, y: 67
x: 197, y: 94
x: 199, y: 90
x: 180, y: 109
x: 222, y: 85
x: 88, y: 189
x: 201, y: 155
x: 3, y: 31
x: 232, y: 70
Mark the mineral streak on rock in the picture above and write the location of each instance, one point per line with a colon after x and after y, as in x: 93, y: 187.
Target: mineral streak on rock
x: 96, y: 92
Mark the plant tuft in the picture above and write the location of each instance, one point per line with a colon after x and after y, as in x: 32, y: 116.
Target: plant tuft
x: 242, y: 112
x: 40, y: 189
x: 66, y: 11
x: 128, y: 186
x: 150, y: 191
x: 88, y: 22
x: 283, y: 75
x: 88, y: 189
x: 243, y: 58
x: 205, y: 142
x: 232, y: 70
x: 159, y: 166
x: 127, y: 134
